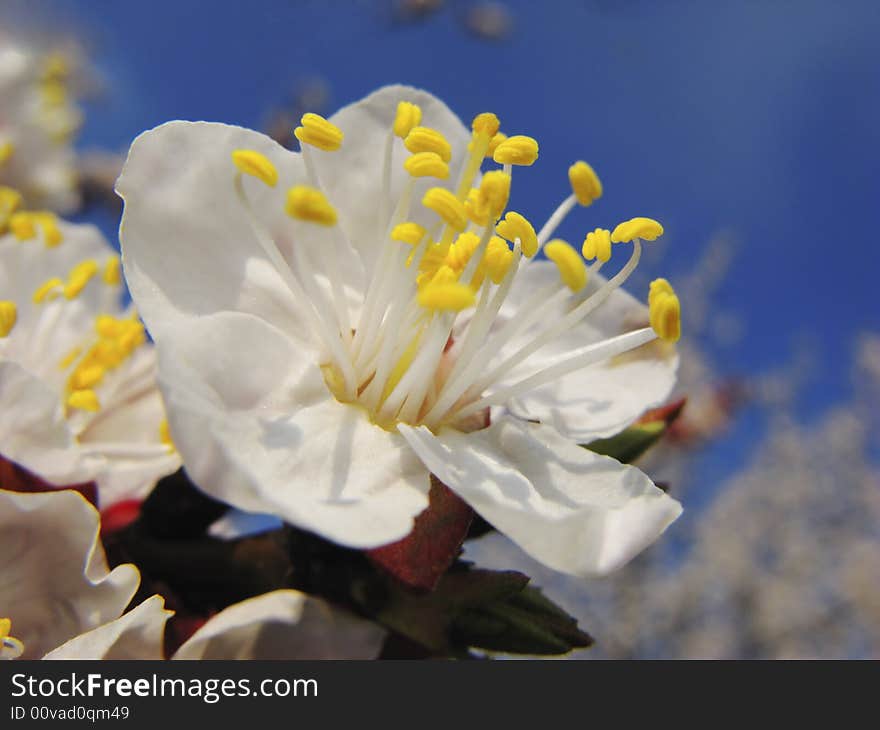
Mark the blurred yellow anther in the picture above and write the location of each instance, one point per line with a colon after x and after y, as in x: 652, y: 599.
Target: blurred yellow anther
x: 664, y: 310
x: 6, y: 150
x: 56, y: 66
x: 257, y: 165
x: 5, y: 627
x: 407, y: 232
x: 572, y: 269
x: 496, y: 140
x: 516, y: 226
x: 498, y: 259
x: 112, y: 274
x: 494, y: 193
x: 475, y: 211
x: 52, y: 235
x: 8, y: 317
x: 516, y: 150
x: 597, y: 245
x: 486, y: 123
x: 108, y: 327
x: 23, y: 226
x: 585, y: 183
x: 165, y: 434
x: 425, y: 139
x: 86, y: 376
x: 447, y: 206
x: 645, y: 228
x: 84, y: 400
x: 408, y: 116
x: 318, y: 132
x: 426, y: 164
x: 309, y: 204
x: 79, y: 276
x: 452, y: 297
x: 48, y: 290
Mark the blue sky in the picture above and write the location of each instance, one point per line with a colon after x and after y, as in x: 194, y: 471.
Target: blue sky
x: 756, y: 116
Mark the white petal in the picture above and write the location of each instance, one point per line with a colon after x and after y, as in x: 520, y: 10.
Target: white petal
x: 571, y: 509
x: 188, y: 249
x: 599, y: 400
x: 352, y: 175
x: 284, y: 624
x: 45, y: 332
x: 137, y: 634
x: 127, y: 434
x: 258, y: 429
x: 33, y: 431
x: 54, y: 579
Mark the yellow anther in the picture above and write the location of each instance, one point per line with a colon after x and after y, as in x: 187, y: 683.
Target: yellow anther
x: 408, y: 116
x: 56, y: 66
x: 597, y: 245
x: 8, y: 317
x: 475, y: 211
x: 451, y: 297
x: 52, y: 235
x: 132, y: 336
x: 516, y: 226
x: 486, y: 123
x: 571, y: 266
x: 494, y: 193
x: 6, y: 151
x: 86, y: 376
x: 69, y: 358
x: 23, y: 225
x: 84, y: 400
x: 318, y: 132
x: 108, y: 327
x: 5, y: 627
x: 444, y: 275
x: 48, y: 290
x: 407, y: 232
x: 645, y: 228
x: 112, y: 274
x: 461, y: 251
x: 425, y: 139
x: 496, y: 140
x: 664, y: 310
x: 165, y: 433
x: 310, y: 204
x: 426, y: 164
x: 447, y: 206
x: 79, y: 276
x: 498, y: 259
x: 585, y: 183
x: 256, y: 164
x: 517, y: 150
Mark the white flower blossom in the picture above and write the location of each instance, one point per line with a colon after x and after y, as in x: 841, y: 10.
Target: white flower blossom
x: 78, y: 394
x: 59, y: 600
x: 335, y: 325
x: 38, y: 120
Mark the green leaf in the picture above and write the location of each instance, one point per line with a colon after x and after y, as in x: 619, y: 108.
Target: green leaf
x: 492, y: 610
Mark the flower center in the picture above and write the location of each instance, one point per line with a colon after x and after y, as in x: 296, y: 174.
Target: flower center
x: 112, y: 342
x: 428, y: 344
